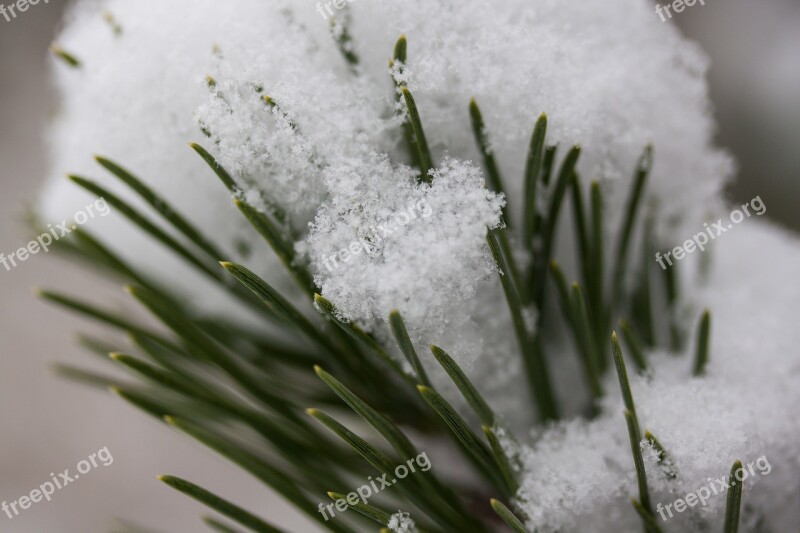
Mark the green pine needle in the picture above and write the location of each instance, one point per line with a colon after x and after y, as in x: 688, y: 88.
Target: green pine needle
x: 368, y: 452
x: 277, y: 303
x: 425, y: 159
x: 401, y: 49
x: 634, y: 433
x: 535, y: 363
x: 106, y: 317
x: 638, y: 462
x: 734, y: 500
x: 478, y: 451
x: 634, y: 345
x: 85, y: 377
x: 663, y: 458
x: 468, y: 390
x: 563, y: 294
x: 641, y: 301
x: 507, y: 516
x: 116, y: 28
x: 671, y: 284
x: 218, y: 526
x: 161, y: 206
x: 581, y: 231
x: 399, y: 61
x: 205, y: 348
x: 278, y: 242
x: 549, y: 163
x: 358, y: 335
x: 150, y: 228
x: 565, y: 177
x: 98, y: 254
x: 642, y: 172
x: 650, y: 523
x: 218, y: 169
x: 596, y: 280
x: 493, y: 177
x: 592, y: 363
x: 220, y: 505
x: 340, y: 30
x: 622, y: 374
x: 400, y: 333
x: 533, y: 173
x: 703, y: 335
x: 500, y: 457
x: 142, y: 401
x: 370, y: 511
x: 393, y: 435
x: 280, y: 481
x: 68, y: 58
x: 381, y: 463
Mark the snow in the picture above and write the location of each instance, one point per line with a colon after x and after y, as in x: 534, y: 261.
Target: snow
x: 402, y: 522
x: 424, y: 246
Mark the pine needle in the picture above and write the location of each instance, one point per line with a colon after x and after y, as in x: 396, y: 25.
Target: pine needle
x: 734, y: 500
x: 220, y: 505
x: 507, y: 516
x: 426, y: 162
x: 703, y: 335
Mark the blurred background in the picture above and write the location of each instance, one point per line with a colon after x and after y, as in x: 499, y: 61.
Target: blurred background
x: 49, y: 424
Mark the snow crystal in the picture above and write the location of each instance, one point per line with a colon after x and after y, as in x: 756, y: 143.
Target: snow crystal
x: 401, y: 522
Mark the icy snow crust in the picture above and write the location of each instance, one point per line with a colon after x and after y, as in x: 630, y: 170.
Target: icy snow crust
x: 611, y: 77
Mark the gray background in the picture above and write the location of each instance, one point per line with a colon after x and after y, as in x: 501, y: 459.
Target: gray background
x: 47, y: 424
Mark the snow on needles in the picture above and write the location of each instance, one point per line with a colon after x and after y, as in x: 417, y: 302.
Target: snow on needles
x: 579, y: 476
x: 384, y: 241
x: 609, y: 75
x: 326, y: 147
